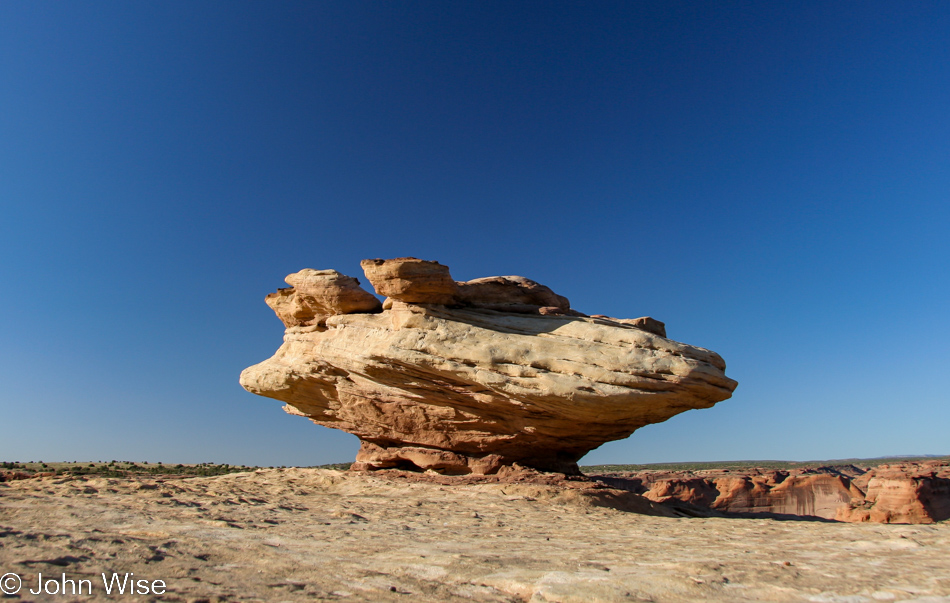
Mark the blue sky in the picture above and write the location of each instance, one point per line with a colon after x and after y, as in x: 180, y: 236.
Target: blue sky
x: 770, y: 179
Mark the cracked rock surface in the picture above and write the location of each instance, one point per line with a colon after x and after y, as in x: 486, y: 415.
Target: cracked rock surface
x: 312, y: 534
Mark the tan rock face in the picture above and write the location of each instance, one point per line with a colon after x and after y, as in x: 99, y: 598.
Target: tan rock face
x: 468, y: 389
x: 316, y: 294
x: 411, y: 280
x: 647, y: 323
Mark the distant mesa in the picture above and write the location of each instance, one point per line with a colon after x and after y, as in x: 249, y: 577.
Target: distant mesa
x: 470, y: 377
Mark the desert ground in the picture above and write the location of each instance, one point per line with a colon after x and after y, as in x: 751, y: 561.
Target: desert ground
x: 317, y: 534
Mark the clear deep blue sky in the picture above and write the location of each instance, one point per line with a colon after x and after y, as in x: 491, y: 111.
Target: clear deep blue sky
x: 771, y: 179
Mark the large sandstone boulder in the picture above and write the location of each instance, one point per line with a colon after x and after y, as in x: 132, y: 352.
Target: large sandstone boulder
x: 411, y: 280
x: 447, y: 382
x: 316, y: 294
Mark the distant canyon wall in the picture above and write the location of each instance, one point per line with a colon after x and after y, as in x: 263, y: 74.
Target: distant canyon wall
x: 912, y: 492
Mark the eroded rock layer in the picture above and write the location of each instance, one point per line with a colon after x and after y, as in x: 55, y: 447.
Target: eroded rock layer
x: 443, y: 379
x: 911, y: 492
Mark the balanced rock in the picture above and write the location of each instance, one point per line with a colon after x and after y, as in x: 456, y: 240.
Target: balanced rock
x: 316, y: 294
x: 460, y: 387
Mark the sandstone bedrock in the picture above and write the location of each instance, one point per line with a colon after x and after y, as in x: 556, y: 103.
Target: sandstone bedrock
x: 472, y: 377
x: 318, y: 535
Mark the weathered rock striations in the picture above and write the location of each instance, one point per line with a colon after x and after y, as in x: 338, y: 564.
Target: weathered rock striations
x: 443, y: 380
x: 912, y: 492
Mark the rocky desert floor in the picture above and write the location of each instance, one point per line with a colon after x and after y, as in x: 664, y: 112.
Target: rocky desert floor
x: 316, y: 534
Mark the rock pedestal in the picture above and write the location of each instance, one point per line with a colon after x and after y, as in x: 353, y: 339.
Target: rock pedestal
x: 469, y: 377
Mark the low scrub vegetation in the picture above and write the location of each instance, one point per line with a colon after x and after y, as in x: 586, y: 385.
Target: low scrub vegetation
x: 20, y: 469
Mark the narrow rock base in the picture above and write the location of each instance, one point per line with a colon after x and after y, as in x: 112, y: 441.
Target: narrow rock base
x: 418, y: 458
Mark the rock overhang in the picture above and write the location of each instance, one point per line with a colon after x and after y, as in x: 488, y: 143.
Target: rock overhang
x: 478, y: 375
